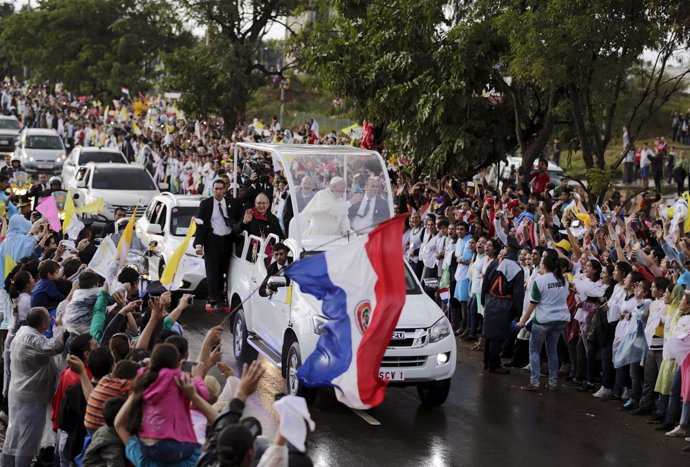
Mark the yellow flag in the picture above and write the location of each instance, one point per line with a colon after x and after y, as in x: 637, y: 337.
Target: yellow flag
x: 9, y: 265
x: 123, y: 114
x: 69, y: 211
x: 135, y: 128
x: 259, y: 125
x: 173, y: 264
x: 126, y: 239
x: 95, y: 207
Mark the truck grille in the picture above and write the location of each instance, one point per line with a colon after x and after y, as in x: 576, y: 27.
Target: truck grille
x: 403, y: 362
x: 409, y: 337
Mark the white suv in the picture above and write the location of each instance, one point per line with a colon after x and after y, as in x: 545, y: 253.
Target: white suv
x: 120, y: 185
x: 41, y: 149
x: 165, y: 222
x: 285, y: 326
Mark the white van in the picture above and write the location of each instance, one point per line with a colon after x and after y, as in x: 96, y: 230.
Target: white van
x: 286, y: 326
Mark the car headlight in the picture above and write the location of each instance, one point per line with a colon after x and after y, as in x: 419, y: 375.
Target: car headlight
x: 60, y: 158
x: 440, y: 330
x: 319, y: 324
x: 31, y: 159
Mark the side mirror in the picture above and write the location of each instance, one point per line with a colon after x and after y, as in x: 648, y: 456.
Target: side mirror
x: 154, y: 229
x: 163, y: 186
x: 275, y: 282
x: 430, y: 285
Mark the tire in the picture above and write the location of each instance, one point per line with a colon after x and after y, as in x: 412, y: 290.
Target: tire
x: 294, y: 387
x: 243, y: 352
x: 434, y: 393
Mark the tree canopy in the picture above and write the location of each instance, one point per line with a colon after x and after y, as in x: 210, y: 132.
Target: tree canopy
x: 421, y: 69
x: 94, y: 46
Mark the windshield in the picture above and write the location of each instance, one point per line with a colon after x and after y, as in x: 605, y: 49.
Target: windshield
x: 335, y: 190
x: 100, y: 156
x: 122, y: 179
x: 9, y: 124
x: 181, y: 218
x: 44, y: 142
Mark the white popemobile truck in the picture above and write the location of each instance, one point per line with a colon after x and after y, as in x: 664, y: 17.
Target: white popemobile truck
x: 285, y: 326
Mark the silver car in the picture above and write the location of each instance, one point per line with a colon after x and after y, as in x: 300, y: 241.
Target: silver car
x: 41, y: 149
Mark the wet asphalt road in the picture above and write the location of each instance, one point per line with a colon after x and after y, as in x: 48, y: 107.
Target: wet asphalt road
x: 486, y: 421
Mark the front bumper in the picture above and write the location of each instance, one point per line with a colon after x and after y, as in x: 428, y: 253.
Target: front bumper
x: 420, y: 365
x: 41, y: 166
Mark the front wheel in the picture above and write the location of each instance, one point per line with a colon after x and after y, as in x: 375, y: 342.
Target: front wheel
x: 243, y: 352
x: 433, y: 393
x: 294, y: 386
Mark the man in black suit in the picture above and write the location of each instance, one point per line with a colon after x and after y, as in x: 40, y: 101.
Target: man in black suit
x: 216, y: 222
x: 369, y: 210
x: 280, y: 252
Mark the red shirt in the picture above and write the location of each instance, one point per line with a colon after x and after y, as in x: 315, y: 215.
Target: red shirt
x: 539, y: 181
x: 67, y: 379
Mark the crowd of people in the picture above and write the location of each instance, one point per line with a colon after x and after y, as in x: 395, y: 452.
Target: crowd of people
x: 536, y: 272
x: 527, y: 269
x: 99, y: 372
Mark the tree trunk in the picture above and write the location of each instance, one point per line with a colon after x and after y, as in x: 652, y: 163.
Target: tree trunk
x: 580, y: 126
x: 537, y: 145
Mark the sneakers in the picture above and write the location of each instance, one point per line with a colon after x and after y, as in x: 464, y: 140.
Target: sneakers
x: 603, y: 393
x: 664, y: 427
x: 530, y: 387
x: 629, y: 405
x: 526, y: 369
x: 565, y: 369
x: 626, y: 394
x: 552, y: 387
x: 677, y: 432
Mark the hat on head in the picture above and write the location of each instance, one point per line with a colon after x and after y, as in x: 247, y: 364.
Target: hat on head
x: 23, y: 202
x: 564, y: 245
x: 234, y: 442
x: 335, y: 180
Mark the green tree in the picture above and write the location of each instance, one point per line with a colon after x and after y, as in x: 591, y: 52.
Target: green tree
x: 582, y: 51
x: 219, y: 74
x: 407, y: 70
x: 94, y: 46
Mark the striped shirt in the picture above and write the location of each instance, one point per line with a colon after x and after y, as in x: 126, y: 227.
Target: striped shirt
x: 107, y: 388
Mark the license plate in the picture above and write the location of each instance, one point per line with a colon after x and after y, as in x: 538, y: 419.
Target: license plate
x: 44, y: 166
x: 398, y: 335
x: 392, y: 375
x: 4, y: 143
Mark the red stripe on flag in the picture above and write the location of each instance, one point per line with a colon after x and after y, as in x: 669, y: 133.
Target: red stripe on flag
x: 386, y: 257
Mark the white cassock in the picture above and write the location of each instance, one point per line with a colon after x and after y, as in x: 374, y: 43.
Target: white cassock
x: 327, y: 214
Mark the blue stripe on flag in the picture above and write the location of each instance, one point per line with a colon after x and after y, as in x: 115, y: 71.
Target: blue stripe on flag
x: 333, y: 352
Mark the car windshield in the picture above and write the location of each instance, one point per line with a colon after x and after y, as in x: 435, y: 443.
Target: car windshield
x: 122, y: 179
x: 44, y: 142
x: 181, y: 218
x: 9, y: 124
x: 321, y: 183
x: 100, y: 156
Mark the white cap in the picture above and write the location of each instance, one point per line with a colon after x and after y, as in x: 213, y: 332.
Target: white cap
x: 335, y: 180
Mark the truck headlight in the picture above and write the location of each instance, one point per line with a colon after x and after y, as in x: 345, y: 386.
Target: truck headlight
x: 319, y: 324
x: 440, y: 330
